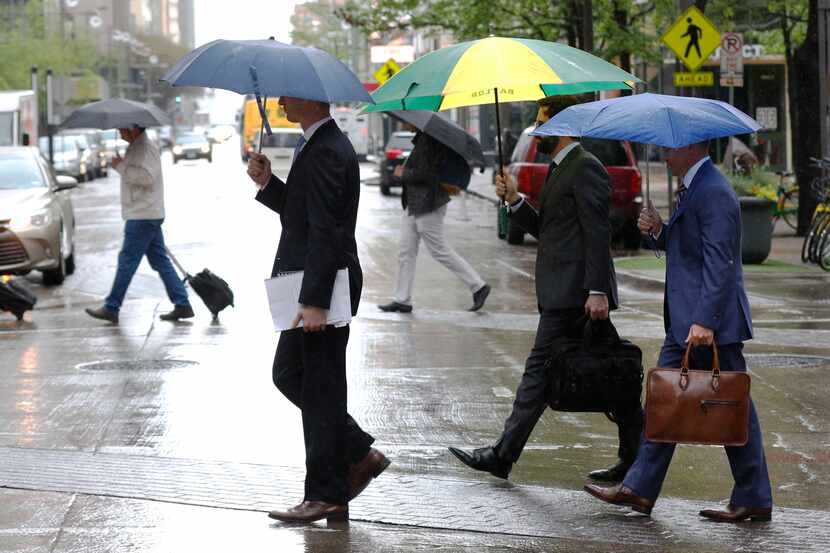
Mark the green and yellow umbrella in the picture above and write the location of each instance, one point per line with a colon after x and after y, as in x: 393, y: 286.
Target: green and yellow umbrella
x: 496, y: 69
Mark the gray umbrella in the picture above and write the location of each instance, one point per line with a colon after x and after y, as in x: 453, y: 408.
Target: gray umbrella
x: 116, y: 114
x: 444, y: 131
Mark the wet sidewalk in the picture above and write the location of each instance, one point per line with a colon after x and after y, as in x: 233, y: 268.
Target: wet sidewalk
x: 157, y: 437
x: 494, y: 507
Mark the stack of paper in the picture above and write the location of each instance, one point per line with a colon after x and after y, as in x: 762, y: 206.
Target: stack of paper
x: 284, y: 294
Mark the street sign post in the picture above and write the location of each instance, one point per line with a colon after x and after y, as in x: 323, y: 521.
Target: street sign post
x: 732, y: 59
x: 692, y: 38
x: 387, y: 71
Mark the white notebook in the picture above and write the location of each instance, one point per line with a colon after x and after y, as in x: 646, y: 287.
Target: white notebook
x: 284, y: 294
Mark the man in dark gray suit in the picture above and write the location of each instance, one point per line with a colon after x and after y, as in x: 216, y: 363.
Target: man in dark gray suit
x: 574, y: 277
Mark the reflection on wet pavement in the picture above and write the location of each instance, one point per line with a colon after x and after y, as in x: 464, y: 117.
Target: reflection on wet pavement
x: 441, y: 376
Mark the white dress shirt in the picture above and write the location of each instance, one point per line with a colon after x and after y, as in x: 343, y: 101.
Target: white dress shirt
x: 557, y: 159
x: 307, y: 134
x: 687, y: 182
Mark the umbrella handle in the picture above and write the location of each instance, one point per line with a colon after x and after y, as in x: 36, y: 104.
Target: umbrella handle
x: 261, y: 105
x: 263, y: 115
x: 498, y: 136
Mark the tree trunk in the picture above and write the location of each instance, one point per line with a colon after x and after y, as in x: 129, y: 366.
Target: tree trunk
x: 574, y: 24
x: 804, y: 108
x: 620, y: 17
x: 587, y: 25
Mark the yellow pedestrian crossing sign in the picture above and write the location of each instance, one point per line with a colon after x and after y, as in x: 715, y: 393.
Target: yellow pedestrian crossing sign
x: 692, y: 38
x: 387, y: 71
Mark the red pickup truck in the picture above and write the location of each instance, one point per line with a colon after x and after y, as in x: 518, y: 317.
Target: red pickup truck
x: 528, y: 167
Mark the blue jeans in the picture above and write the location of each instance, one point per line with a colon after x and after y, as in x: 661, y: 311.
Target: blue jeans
x: 144, y: 237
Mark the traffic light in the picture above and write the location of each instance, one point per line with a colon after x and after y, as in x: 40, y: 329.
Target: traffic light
x: 178, y: 99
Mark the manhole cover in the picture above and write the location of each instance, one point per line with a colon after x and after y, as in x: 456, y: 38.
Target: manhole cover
x: 135, y: 365
x: 765, y: 360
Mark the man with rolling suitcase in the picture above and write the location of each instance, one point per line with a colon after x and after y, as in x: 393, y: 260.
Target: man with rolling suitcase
x: 142, y: 207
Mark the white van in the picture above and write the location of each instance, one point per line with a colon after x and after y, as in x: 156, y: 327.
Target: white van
x: 18, y: 118
x: 355, y: 125
x: 279, y: 147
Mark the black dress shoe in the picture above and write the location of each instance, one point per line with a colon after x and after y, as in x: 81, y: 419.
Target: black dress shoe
x: 484, y: 459
x: 611, y: 474
x: 104, y: 314
x: 479, y: 297
x: 179, y: 312
x: 395, y: 307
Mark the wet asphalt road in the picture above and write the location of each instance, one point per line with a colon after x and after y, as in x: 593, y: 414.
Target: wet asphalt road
x: 201, y: 390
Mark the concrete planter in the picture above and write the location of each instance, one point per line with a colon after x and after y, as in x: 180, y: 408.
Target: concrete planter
x: 756, y: 227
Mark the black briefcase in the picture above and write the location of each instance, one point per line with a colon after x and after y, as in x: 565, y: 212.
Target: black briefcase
x: 593, y: 370
x: 15, y: 296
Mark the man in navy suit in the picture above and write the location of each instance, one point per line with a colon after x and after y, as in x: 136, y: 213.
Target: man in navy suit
x: 317, y: 205
x: 705, y: 302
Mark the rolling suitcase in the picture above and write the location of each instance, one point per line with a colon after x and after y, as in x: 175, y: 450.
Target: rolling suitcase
x: 215, y: 292
x: 15, y: 296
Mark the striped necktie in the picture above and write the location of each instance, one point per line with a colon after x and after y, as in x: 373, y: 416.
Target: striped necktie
x: 681, y: 193
x: 300, y: 143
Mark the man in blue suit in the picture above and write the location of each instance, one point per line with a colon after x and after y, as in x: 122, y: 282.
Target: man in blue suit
x: 705, y: 302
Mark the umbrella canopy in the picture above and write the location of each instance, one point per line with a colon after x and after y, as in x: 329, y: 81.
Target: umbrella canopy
x: 116, y: 114
x: 669, y: 121
x: 468, y: 73
x: 444, y: 131
x: 278, y: 70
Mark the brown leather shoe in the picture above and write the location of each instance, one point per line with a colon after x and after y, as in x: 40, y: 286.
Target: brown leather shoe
x: 738, y: 514
x: 362, y: 472
x: 621, y: 495
x: 310, y: 511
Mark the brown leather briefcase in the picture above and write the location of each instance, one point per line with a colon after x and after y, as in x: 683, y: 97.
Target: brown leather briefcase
x: 697, y: 407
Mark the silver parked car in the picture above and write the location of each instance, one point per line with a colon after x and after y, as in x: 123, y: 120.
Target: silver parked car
x: 70, y: 156
x: 95, y: 143
x: 37, y: 222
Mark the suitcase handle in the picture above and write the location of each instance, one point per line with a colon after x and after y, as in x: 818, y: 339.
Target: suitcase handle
x: 176, y: 263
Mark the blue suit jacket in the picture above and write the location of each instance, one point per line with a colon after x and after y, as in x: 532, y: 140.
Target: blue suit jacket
x: 704, y: 274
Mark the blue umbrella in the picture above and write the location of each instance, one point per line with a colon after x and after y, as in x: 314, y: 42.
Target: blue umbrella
x: 269, y: 68
x: 279, y: 70
x: 669, y: 121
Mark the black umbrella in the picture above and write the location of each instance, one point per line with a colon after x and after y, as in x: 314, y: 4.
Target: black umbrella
x: 444, y: 131
x: 116, y: 114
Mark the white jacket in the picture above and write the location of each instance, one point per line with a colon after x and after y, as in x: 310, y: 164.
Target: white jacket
x: 142, y: 186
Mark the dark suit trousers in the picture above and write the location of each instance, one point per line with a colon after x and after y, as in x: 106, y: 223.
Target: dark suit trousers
x: 749, y: 466
x: 532, y: 394
x: 310, y: 370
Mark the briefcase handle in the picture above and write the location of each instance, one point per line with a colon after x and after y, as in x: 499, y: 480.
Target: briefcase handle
x: 590, y: 327
x: 684, y: 368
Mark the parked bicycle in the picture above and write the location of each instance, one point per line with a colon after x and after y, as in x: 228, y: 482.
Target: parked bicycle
x: 786, y: 204
x: 816, y: 246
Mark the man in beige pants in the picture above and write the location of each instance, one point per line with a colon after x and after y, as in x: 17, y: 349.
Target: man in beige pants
x: 425, y: 205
